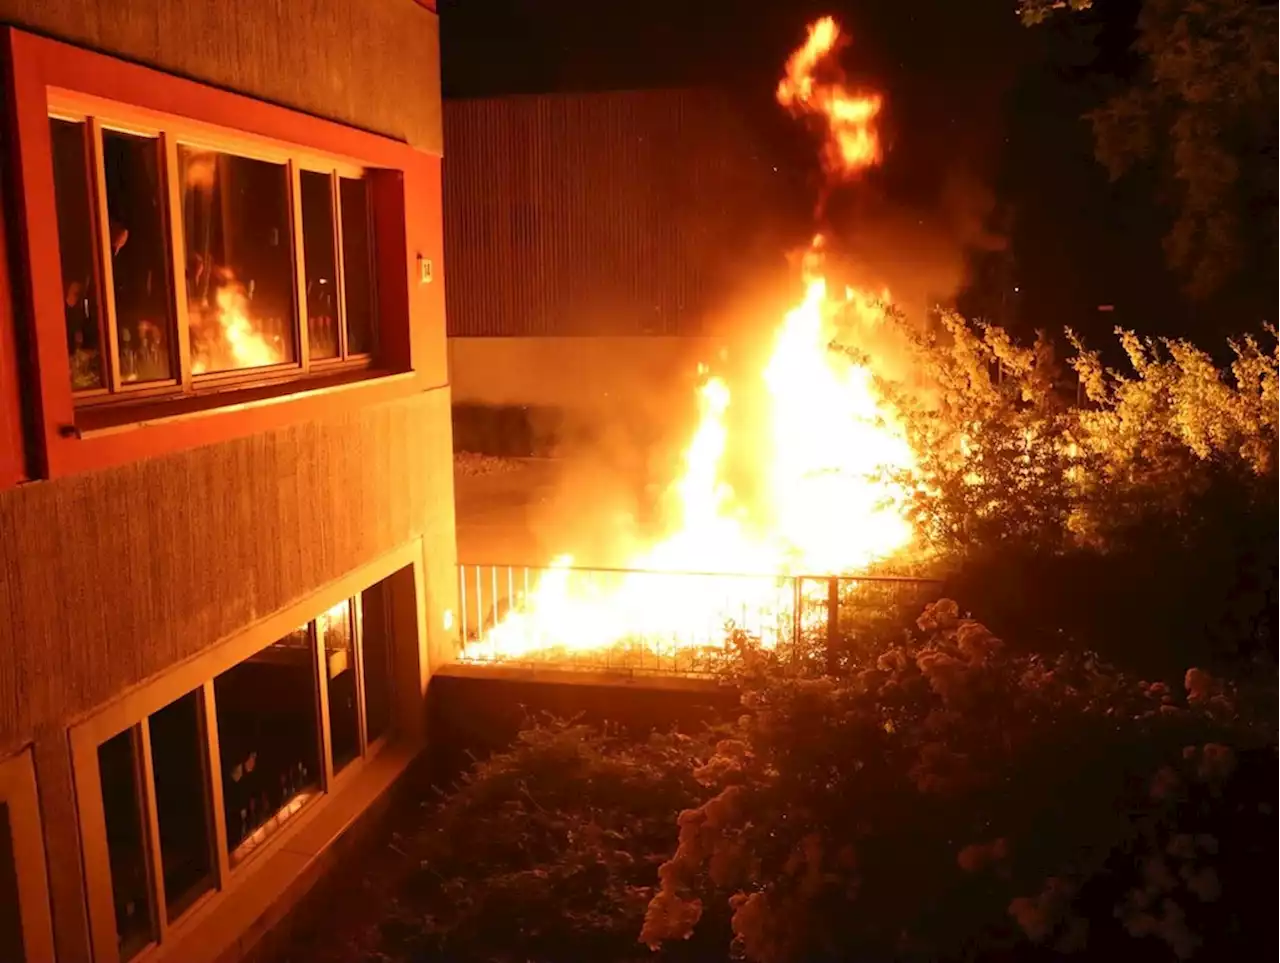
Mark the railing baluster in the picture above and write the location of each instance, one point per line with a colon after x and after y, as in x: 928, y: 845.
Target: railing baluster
x: 462, y: 604
x: 770, y: 609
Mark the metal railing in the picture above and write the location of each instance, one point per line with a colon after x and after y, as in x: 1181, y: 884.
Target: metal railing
x: 672, y: 623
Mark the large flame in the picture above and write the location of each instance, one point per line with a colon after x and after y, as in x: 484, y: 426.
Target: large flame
x: 852, y: 142
x: 825, y: 496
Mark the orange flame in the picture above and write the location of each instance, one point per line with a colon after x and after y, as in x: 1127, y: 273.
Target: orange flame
x: 229, y: 336
x: 852, y: 142
x: 827, y: 459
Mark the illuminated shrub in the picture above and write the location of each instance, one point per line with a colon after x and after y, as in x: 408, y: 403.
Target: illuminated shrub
x: 951, y: 797
x: 1140, y: 522
x: 548, y: 847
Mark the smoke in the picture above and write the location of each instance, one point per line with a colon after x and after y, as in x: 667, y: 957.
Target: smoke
x: 917, y: 250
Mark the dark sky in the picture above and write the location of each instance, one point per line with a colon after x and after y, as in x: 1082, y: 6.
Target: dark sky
x: 967, y: 86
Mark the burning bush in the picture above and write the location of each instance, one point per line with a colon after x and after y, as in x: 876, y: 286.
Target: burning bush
x: 1147, y: 508
x: 951, y: 797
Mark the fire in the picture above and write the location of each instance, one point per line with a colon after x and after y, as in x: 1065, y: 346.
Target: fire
x: 227, y: 336
x: 852, y: 142
x: 826, y: 495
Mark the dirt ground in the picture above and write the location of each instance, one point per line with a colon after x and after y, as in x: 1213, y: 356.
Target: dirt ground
x: 527, y: 511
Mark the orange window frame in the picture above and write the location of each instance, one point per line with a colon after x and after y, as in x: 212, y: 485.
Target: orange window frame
x: 65, y: 436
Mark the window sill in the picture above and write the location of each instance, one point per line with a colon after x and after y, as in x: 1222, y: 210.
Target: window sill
x: 104, y: 436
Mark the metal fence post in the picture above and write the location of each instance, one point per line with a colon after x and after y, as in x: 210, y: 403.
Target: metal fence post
x: 833, y: 624
x: 797, y: 603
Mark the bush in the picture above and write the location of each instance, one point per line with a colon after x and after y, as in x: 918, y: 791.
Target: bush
x: 1146, y: 514
x: 954, y: 800
x: 547, y: 851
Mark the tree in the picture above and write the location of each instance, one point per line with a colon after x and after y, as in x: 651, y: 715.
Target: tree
x: 1201, y: 112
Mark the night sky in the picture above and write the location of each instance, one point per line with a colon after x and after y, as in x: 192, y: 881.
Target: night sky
x: 972, y: 95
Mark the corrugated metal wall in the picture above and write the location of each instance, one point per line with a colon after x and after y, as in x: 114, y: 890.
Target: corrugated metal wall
x: 602, y: 213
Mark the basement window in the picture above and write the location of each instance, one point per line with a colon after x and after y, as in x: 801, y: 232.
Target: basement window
x: 337, y: 640
x: 180, y: 764
x: 120, y: 772
x: 268, y: 740
x: 202, y: 784
x: 11, y: 947
x: 375, y: 623
x: 26, y: 935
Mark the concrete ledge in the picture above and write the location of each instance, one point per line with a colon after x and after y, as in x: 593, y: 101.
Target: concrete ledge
x: 552, y: 674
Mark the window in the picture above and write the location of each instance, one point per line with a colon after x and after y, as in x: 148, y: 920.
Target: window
x: 190, y: 793
x: 199, y: 265
x: 231, y: 250
x: 181, y: 767
x: 357, y: 265
x: 72, y: 194
x: 320, y: 256
x: 239, y: 261
x: 376, y: 623
x: 268, y: 740
x: 135, y: 258
x: 26, y: 935
x: 120, y: 772
x: 338, y: 648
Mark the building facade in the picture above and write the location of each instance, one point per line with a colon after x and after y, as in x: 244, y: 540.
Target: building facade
x: 593, y: 239
x: 226, y: 510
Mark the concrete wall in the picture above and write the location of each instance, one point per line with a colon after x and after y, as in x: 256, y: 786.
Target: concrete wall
x: 578, y: 372
x: 370, y: 63
x: 109, y: 577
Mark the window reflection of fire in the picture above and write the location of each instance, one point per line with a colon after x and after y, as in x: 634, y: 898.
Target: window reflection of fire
x: 224, y: 333
x: 235, y: 322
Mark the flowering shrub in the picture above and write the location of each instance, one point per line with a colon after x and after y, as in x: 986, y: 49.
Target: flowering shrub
x: 1148, y: 508
x: 948, y: 797
x: 546, y: 851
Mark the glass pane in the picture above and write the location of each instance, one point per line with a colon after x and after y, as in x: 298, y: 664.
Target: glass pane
x: 75, y: 246
x: 10, y: 916
x: 139, y: 256
x: 334, y: 629
x: 238, y: 261
x: 119, y: 772
x: 178, y: 763
x: 318, y: 238
x: 376, y: 641
x: 357, y: 265
x: 268, y: 739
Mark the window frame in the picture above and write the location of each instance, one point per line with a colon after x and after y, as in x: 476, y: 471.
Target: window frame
x: 18, y: 792
x: 73, y: 432
x: 133, y: 711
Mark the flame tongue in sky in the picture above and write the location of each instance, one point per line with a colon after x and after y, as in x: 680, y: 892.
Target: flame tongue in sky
x: 826, y: 460
x: 852, y: 142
